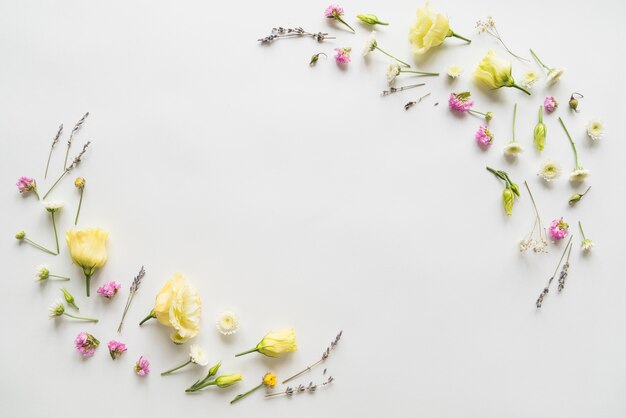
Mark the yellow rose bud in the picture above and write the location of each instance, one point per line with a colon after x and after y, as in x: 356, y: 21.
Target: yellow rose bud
x: 276, y: 343
x: 370, y: 19
x: 228, y: 380
x: 508, y: 198
x: 495, y: 73
x: 88, y: 249
x: 540, y: 132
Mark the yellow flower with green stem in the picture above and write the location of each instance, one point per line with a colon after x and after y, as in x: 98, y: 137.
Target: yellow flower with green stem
x: 88, y: 249
x: 495, y: 73
x: 430, y: 30
x: 275, y: 344
x: 268, y: 380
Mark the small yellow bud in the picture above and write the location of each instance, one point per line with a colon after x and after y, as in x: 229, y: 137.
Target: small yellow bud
x: 508, y: 198
x: 540, y: 132
x: 79, y: 182
x: 20, y: 235
x: 228, y: 380
x: 269, y: 380
x: 370, y: 19
x: 489, y: 116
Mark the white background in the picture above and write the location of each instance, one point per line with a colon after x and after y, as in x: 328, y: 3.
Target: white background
x: 297, y: 196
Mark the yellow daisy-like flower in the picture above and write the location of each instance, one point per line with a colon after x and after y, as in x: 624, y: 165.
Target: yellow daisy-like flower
x: 454, y: 71
x: 269, y: 380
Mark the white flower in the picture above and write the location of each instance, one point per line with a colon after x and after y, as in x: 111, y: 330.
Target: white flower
x: 42, y: 273
x: 549, y: 170
x: 454, y: 71
x: 198, y: 355
x: 227, y: 323
x: 513, y: 148
x: 53, y: 205
x: 529, y: 78
x: 586, y: 244
x: 554, y: 74
x: 392, y: 72
x: 595, y: 129
x: 578, y: 175
x: 371, y: 44
x: 57, y: 308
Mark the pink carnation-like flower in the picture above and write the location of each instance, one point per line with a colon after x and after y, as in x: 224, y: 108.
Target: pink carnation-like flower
x: 550, y: 104
x: 460, y: 102
x: 108, y: 290
x: 25, y: 184
x: 558, y: 229
x: 483, y: 136
x: 86, y: 344
x: 116, y: 349
x: 333, y: 11
x: 142, y: 367
x: 342, y: 55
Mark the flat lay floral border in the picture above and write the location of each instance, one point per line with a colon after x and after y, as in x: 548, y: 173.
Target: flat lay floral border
x: 178, y: 305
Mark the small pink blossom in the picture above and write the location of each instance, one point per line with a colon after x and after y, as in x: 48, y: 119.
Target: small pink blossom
x: 460, y: 102
x: 342, y: 55
x: 558, y: 229
x: 116, y: 349
x: 333, y: 11
x: 483, y: 136
x: 550, y: 104
x: 26, y: 184
x: 108, y: 290
x: 86, y: 344
x: 142, y: 367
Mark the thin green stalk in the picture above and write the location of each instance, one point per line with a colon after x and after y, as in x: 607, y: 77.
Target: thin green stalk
x: 344, y: 22
x: 59, y: 277
x: 48, y: 163
x: 581, y: 230
x: 80, y: 317
x: 456, y: 35
x: 247, y: 352
x: 497, y: 173
x: 56, y: 235
x: 243, y: 395
x: 418, y: 72
x: 521, y: 88
x: 41, y: 247
x: 80, y: 204
x: 147, y: 318
x: 391, y: 56
x: 55, y: 183
x: 176, y: 368
x: 539, y: 61
x: 514, y: 117
x: 571, y: 142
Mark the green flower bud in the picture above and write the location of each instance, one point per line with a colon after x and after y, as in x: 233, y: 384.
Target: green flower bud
x: 213, y: 370
x: 540, y: 132
x: 489, y: 116
x: 515, y: 189
x: 20, y: 235
x: 370, y: 19
x: 508, y: 198
x: 228, y: 380
x: 69, y: 298
x: 575, y: 198
x: 573, y: 103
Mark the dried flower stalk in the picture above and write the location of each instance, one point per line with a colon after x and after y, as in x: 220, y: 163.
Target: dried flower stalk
x: 489, y: 26
x: 539, y: 245
x: 70, y: 167
x: 311, y: 388
x: 398, y: 89
x: 325, y: 355
x: 132, y: 291
x: 280, y: 32
x: 76, y: 128
x: 55, y: 140
x: 547, y: 288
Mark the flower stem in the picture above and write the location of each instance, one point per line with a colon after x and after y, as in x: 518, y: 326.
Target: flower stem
x: 514, y: 116
x: 80, y: 204
x: 41, y: 247
x: 59, y: 277
x: 55, y: 183
x: 391, y: 56
x: 243, y: 395
x: 247, y: 352
x: 571, y: 142
x: 456, y: 35
x: 497, y: 174
x: 36, y: 193
x: 582, y: 194
x: 344, y: 22
x: 201, y: 386
x: 48, y: 163
x: 56, y: 235
x: 581, y: 230
x: 539, y: 61
x: 147, y: 318
x: 176, y: 368
x: 303, y: 371
x: 418, y: 72
x: 532, y: 199
x: 80, y: 317
x: 520, y: 88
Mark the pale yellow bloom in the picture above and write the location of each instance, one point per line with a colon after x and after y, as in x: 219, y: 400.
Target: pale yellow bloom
x: 529, y: 78
x: 512, y: 149
x: 88, y: 249
x: 454, y: 71
x: 430, y: 29
x: 495, y: 72
x: 595, y: 129
x: 578, y: 175
x: 549, y: 171
x: 227, y: 323
x: 178, y: 305
x: 276, y: 343
x: 228, y: 380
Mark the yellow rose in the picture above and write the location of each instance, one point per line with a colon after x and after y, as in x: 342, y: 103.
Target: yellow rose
x: 495, y: 72
x: 178, y: 305
x: 276, y: 343
x: 431, y: 29
x: 88, y: 249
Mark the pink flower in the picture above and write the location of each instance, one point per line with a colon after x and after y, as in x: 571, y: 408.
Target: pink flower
x: 550, y: 104
x: 342, y: 55
x: 116, y: 349
x: 333, y: 11
x: 558, y: 229
x: 142, y: 367
x: 26, y: 184
x: 86, y: 344
x: 460, y: 102
x: 108, y: 290
x: 483, y: 136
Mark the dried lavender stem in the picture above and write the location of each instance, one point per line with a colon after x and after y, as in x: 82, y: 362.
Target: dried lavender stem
x: 54, y: 142
x: 303, y: 371
x: 325, y: 355
x: 76, y: 128
x: 547, y: 288
x: 131, y: 294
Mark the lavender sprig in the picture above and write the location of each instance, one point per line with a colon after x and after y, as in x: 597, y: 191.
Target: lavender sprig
x: 69, y: 168
x: 325, y: 355
x: 76, y: 128
x: 281, y: 32
x: 54, y: 142
x: 397, y: 89
x: 311, y: 388
x: 564, y: 270
x: 132, y: 291
x: 546, y: 289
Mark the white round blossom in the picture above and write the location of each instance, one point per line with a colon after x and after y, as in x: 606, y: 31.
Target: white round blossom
x: 198, y: 355
x: 595, y: 129
x: 227, y: 323
x: 549, y: 171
